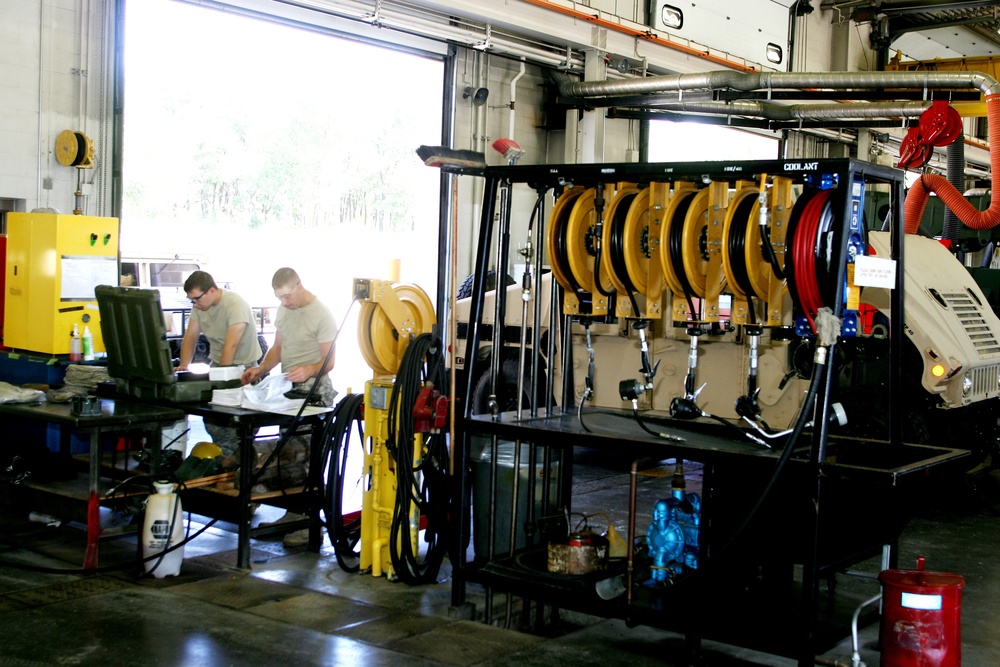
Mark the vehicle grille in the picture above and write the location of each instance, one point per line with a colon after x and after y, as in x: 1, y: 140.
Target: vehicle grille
x: 985, y: 380
x: 970, y: 315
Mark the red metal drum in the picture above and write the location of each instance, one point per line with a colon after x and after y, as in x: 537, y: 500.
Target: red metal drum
x: 921, y: 618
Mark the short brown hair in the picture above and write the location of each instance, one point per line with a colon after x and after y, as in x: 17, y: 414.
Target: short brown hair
x: 200, y: 279
x: 284, y: 276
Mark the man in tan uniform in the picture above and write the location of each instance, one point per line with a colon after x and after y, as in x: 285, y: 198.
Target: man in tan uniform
x: 226, y: 320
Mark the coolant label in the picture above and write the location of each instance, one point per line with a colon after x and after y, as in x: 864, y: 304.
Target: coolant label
x: 917, y: 601
x: 874, y: 272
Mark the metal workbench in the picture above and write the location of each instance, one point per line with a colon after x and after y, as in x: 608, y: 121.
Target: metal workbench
x: 115, y: 416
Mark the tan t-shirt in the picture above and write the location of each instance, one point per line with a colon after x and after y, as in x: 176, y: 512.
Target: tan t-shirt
x: 302, y: 331
x: 214, y: 322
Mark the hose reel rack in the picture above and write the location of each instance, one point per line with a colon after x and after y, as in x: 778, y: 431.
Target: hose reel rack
x: 617, y: 248
x: 693, y: 231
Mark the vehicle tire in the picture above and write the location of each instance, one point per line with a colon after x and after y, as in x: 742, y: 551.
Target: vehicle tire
x: 263, y: 347
x: 202, y: 350
x: 465, y: 289
x: 506, y: 388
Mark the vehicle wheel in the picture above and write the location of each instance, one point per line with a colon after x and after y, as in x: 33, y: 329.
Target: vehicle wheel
x: 465, y: 289
x: 506, y: 388
x: 263, y: 347
x: 202, y: 350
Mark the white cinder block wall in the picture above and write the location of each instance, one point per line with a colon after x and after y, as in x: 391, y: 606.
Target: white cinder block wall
x: 54, y: 76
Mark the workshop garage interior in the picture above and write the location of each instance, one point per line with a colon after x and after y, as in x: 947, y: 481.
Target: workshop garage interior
x: 452, y: 332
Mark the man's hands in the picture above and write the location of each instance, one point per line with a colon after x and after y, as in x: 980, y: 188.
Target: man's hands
x: 300, y: 373
x: 295, y: 375
x: 252, y: 375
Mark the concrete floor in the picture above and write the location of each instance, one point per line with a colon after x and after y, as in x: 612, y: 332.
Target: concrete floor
x: 295, y: 607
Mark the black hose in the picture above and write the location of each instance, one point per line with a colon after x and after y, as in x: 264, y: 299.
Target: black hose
x: 422, y: 484
x: 770, y: 255
x: 736, y: 243
x: 579, y: 413
x: 956, y: 176
x: 110, y: 568
x: 786, y: 452
x: 676, y: 250
x: 638, y: 420
x: 710, y: 566
x: 344, y: 536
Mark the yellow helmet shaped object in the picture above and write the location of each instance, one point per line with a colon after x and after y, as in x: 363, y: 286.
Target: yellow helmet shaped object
x: 206, y: 450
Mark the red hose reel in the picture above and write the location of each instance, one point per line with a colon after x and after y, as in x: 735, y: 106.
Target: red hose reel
x: 940, y: 125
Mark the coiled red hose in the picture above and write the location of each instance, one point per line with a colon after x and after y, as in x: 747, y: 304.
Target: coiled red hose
x: 805, y: 245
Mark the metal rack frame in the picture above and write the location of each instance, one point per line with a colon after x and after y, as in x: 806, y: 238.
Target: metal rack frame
x: 555, y: 433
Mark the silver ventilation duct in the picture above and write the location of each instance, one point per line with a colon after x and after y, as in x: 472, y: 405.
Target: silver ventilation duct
x: 764, y: 81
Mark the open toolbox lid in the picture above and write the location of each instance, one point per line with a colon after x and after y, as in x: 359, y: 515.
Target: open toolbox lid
x: 135, y: 335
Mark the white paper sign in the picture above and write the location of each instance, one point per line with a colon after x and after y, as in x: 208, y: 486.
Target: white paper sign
x: 918, y: 601
x: 81, y: 274
x: 874, y: 272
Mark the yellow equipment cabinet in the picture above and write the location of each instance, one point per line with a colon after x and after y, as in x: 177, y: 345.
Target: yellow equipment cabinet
x: 54, y: 262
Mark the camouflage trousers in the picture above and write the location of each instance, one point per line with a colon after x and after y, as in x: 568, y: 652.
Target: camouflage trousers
x: 325, y: 393
x: 228, y: 441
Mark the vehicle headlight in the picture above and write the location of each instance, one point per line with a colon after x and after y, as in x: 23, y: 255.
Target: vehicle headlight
x: 966, y: 385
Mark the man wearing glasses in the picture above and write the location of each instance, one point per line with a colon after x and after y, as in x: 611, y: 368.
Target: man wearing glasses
x: 304, y: 340
x: 226, y: 320
x: 228, y: 323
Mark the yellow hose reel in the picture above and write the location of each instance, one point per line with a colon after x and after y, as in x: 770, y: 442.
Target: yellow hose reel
x: 392, y: 314
x: 741, y: 239
x: 692, y: 240
x: 556, y: 246
x: 581, y: 249
x: 612, y: 256
x: 631, y: 243
x: 74, y: 149
x: 748, y: 272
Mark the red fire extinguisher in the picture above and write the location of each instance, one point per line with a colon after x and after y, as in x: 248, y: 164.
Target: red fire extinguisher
x: 921, y: 618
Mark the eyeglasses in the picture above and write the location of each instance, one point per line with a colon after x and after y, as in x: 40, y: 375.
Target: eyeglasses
x: 195, y: 299
x: 287, y: 295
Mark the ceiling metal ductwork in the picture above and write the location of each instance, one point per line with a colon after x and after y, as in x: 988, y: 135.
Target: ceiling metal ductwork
x: 770, y: 81
x: 889, y: 84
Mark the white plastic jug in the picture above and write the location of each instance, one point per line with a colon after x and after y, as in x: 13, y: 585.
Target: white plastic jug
x: 163, y: 510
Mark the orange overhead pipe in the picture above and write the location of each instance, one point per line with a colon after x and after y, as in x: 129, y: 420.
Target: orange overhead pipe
x: 916, y: 198
x: 647, y: 35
